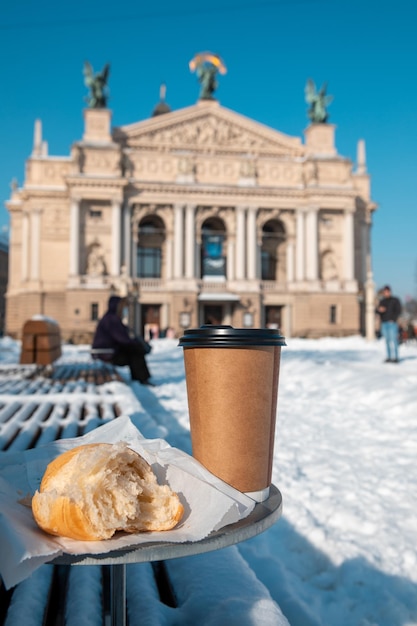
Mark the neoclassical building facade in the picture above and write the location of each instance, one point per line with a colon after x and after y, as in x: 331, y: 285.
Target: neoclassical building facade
x: 198, y: 215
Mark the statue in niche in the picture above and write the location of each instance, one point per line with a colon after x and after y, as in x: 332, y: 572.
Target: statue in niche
x: 248, y: 169
x: 126, y: 165
x: 310, y: 173
x: 97, y: 84
x: 96, y: 265
x: 186, y: 166
x: 207, y: 65
x: 318, y: 101
x: 80, y: 158
x: 329, y: 266
x: 124, y: 283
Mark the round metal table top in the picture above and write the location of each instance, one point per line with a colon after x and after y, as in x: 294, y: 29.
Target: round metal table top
x: 264, y: 515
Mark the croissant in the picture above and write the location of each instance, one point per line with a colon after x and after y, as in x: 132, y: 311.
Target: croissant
x: 90, y: 492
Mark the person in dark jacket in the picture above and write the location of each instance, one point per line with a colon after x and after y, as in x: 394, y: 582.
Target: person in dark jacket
x: 389, y: 310
x: 114, y: 337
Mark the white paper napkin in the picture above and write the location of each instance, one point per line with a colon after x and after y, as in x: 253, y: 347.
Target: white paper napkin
x: 209, y: 503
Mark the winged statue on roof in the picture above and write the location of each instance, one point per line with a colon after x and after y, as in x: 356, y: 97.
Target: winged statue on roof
x: 207, y: 65
x: 97, y: 84
x: 318, y: 101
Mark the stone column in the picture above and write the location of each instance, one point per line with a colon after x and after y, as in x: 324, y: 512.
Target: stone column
x: 288, y: 320
x: 134, y: 255
x: 127, y: 238
x: 348, y: 246
x: 190, y: 241
x: 198, y: 258
x: 230, y: 259
x: 35, y: 244
x: 364, y: 251
x: 312, y: 245
x: 370, y: 308
x: 290, y: 261
x: 164, y: 316
x: 178, y: 240
x: 251, y: 239
x: 240, y: 243
x: 25, y: 245
x: 300, y: 243
x: 116, y: 237
x: 369, y: 286
x: 74, y: 261
x: 169, y: 257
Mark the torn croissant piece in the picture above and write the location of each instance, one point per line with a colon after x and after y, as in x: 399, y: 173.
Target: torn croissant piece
x: 90, y: 492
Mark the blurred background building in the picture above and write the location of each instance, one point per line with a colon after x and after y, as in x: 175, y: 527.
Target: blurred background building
x: 198, y: 215
x: 4, y: 272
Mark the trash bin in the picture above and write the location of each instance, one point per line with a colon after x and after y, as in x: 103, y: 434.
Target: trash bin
x: 41, y: 342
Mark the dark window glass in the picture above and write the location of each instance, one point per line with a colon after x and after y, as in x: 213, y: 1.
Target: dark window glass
x: 268, y: 265
x: 94, y: 311
x: 149, y: 262
x: 214, y: 263
x: 333, y: 311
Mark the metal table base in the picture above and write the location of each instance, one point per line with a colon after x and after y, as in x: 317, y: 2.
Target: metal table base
x: 263, y: 516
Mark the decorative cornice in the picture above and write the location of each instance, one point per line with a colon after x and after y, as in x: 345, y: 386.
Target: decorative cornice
x: 44, y: 192
x: 96, y: 181
x: 134, y: 191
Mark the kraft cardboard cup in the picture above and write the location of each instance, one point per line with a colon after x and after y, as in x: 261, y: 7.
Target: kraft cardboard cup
x: 232, y: 387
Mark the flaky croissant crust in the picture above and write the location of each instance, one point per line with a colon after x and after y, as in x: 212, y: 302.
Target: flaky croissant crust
x: 90, y: 492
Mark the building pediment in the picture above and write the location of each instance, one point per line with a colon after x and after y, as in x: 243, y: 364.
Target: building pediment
x: 208, y: 127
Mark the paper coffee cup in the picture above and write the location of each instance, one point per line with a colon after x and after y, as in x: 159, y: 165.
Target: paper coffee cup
x: 232, y: 386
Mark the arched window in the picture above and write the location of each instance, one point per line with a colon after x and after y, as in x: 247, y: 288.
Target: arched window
x: 272, y: 253
x: 151, y: 236
x: 213, y: 258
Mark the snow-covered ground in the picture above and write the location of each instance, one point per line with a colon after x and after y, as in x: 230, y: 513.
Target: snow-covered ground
x: 345, y: 551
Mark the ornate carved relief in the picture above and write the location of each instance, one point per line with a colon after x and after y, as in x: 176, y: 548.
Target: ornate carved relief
x: 279, y: 173
x: 334, y: 173
x: 210, y: 132
x: 101, y: 161
x: 55, y: 223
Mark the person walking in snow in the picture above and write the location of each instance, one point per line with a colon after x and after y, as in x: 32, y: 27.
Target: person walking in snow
x: 389, y: 310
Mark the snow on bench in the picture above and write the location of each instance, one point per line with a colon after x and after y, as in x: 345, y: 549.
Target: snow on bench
x: 38, y: 409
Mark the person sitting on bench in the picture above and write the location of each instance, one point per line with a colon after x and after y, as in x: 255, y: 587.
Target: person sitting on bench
x: 112, y: 342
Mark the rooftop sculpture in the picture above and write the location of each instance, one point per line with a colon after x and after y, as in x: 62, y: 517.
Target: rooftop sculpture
x: 318, y: 101
x: 207, y: 65
x: 97, y: 83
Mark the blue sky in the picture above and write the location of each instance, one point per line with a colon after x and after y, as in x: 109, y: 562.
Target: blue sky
x: 365, y: 50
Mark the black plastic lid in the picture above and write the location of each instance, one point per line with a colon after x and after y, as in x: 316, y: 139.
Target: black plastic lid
x: 210, y: 336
